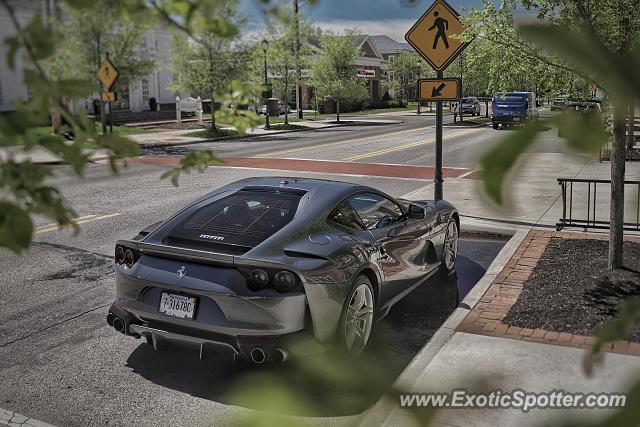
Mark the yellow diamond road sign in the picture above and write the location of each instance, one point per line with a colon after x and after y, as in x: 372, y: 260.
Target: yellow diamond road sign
x: 439, y: 89
x: 431, y: 35
x: 107, y: 73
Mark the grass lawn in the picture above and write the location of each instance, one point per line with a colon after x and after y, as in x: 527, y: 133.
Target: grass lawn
x: 217, y: 133
x: 282, y: 126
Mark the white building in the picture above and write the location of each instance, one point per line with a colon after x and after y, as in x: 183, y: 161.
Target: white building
x: 12, y: 86
x: 156, y: 43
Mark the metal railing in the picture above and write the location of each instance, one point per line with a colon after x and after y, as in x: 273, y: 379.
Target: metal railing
x: 569, y: 220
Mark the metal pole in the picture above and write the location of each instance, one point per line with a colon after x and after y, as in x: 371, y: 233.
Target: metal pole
x: 267, y: 125
x: 296, y: 48
x: 437, y: 192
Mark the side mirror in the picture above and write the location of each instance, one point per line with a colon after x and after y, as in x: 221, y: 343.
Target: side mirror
x: 416, y: 212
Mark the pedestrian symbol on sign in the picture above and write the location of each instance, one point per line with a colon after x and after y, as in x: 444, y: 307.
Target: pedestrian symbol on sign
x: 442, y: 25
x: 437, y: 35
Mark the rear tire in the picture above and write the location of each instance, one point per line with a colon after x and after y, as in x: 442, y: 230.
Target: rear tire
x: 356, y: 321
x: 495, y: 126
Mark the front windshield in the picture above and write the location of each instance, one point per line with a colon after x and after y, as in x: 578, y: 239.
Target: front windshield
x: 509, y: 98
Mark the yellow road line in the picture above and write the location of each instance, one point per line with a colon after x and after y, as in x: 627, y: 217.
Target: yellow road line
x: 330, y: 144
x: 78, y: 221
x: 56, y: 225
x: 405, y: 146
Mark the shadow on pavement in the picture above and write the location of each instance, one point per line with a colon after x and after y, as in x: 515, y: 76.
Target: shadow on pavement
x: 330, y: 384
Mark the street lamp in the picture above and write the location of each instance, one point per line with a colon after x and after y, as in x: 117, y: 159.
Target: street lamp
x: 265, y: 47
x: 419, y: 64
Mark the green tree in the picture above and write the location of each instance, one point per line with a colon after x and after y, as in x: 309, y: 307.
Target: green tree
x: 205, y: 63
x: 403, y: 73
x: 334, y: 71
x: 98, y: 29
x: 596, y: 43
x: 500, y: 59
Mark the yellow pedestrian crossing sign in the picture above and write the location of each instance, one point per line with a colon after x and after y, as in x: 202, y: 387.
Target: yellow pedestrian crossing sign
x: 431, y: 35
x: 107, y: 73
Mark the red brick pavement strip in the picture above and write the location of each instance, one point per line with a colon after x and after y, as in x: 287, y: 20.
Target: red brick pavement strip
x: 299, y: 165
x: 487, y: 316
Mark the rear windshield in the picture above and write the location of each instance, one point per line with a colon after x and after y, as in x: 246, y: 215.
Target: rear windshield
x: 510, y: 98
x: 244, y: 219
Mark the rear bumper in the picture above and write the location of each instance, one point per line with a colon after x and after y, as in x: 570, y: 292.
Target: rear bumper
x: 507, y: 119
x: 159, y: 332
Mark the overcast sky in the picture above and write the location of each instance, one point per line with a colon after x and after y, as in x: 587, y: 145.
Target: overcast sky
x: 372, y: 17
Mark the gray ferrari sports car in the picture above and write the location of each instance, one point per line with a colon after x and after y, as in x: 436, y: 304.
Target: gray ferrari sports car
x: 267, y: 267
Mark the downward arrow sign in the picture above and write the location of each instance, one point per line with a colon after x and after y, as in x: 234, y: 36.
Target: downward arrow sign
x: 437, y: 91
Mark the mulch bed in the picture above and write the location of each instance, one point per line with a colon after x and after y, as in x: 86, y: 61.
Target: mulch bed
x: 570, y: 289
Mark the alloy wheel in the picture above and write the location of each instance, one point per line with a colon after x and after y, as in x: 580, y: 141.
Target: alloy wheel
x: 359, y: 319
x: 451, y: 245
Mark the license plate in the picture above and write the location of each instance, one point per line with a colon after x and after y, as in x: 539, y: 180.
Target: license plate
x: 177, y: 305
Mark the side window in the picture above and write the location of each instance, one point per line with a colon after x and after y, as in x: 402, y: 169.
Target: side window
x: 375, y: 211
x: 344, y: 215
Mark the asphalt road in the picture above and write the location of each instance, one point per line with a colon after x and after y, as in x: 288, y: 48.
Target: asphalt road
x: 61, y: 363
x: 411, y: 142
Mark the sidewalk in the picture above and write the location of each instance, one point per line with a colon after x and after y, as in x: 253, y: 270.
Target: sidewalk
x: 473, y: 350
x: 534, y: 194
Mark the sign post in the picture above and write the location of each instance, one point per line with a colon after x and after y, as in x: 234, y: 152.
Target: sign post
x: 431, y: 37
x: 107, y: 74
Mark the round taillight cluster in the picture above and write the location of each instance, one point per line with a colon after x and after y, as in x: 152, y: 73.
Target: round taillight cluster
x: 283, y: 281
x: 258, y: 279
x: 125, y: 256
x: 119, y: 254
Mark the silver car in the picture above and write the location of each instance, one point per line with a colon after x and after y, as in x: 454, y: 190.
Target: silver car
x: 269, y: 267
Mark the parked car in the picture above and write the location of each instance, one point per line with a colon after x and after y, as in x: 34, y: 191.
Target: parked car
x: 470, y: 105
x: 583, y: 107
x: 261, y: 260
x: 282, y: 107
x: 558, y: 103
x: 511, y: 108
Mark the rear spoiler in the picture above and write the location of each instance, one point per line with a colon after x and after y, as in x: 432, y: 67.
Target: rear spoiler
x: 179, y: 253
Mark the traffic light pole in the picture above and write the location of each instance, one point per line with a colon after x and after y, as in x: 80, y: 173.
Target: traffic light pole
x: 437, y: 192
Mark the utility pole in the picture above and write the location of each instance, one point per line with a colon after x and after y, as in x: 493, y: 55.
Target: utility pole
x: 296, y: 50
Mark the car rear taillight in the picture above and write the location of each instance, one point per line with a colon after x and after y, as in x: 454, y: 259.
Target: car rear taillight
x: 262, y: 278
x: 119, y: 254
x: 126, y: 256
x: 284, y: 281
x: 258, y: 279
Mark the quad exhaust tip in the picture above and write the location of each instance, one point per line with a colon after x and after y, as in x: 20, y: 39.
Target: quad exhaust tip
x: 280, y: 355
x: 257, y: 356
x: 118, y: 324
x: 110, y: 318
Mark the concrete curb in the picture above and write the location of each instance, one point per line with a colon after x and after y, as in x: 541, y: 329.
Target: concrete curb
x: 380, y: 413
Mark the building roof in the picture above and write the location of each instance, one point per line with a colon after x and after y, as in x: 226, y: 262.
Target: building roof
x: 386, y: 44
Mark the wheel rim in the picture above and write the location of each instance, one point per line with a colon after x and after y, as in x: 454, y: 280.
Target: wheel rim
x: 451, y: 245
x: 359, y: 320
